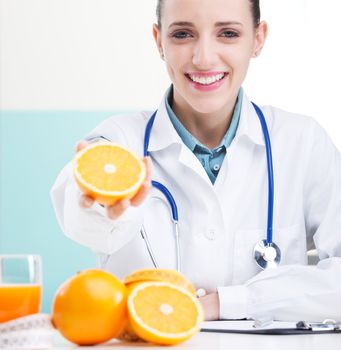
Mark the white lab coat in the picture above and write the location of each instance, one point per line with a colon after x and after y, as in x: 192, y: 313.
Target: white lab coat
x: 221, y: 223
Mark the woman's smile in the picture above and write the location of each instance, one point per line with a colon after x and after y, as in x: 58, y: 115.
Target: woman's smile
x: 206, y: 81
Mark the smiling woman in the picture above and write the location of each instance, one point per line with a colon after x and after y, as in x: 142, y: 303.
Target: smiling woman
x: 233, y: 174
x: 209, y: 52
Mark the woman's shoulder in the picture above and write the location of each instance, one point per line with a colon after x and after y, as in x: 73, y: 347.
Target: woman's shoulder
x: 293, y: 123
x: 299, y: 130
x: 285, y: 123
x: 125, y: 128
x: 127, y: 119
x: 291, y: 119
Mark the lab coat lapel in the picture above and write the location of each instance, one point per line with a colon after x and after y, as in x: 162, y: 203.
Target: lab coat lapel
x: 188, y: 159
x: 249, y: 128
x: 246, y: 149
x: 249, y: 124
x: 164, y: 135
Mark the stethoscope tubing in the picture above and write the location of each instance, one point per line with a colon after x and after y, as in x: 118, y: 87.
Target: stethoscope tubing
x: 271, y: 184
x: 147, y: 134
x: 264, y: 245
x: 170, y: 199
x: 149, y: 247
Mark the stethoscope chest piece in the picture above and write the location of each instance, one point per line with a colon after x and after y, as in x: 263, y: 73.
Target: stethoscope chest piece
x: 267, y: 255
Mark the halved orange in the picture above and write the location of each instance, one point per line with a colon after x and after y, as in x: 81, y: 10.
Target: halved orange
x: 108, y: 172
x: 161, y: 275
x: 148, y: 275
x: 163, y: 313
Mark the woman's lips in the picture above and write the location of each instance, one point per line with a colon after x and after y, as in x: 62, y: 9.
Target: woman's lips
x: 206, y: 81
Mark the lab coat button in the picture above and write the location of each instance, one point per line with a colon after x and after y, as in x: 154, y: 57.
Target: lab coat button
x: 210, y: 234
x: 201, y: 292
x: 216, y: 167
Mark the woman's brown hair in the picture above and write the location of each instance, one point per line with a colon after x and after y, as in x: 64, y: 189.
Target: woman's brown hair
x: 255, y: 8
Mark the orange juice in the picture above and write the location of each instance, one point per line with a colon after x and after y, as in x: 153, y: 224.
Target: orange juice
x: 17, y: 300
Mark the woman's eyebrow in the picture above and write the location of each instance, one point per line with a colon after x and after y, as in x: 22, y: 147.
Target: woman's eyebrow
x: 228, y: 23
x: 181, y: 23
x: 217, y: 24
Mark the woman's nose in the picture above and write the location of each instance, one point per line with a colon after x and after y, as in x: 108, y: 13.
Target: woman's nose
x: 204, y: 55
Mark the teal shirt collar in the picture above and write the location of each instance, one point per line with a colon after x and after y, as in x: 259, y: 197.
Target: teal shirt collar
x: 189, y: 140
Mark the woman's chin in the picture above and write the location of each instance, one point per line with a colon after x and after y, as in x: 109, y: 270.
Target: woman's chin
x: 206, y: 107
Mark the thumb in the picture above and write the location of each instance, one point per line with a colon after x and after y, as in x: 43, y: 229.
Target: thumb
x: 80, y: 145
x: 85, y: 201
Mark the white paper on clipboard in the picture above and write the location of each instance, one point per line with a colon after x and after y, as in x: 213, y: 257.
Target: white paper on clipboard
x: 272, y: 327
x: 244, y: 325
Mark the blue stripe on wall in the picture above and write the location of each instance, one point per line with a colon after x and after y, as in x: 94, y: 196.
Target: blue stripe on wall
x: 34, y: 146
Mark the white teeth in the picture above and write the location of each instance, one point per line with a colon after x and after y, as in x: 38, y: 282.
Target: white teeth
x: 207, y: 80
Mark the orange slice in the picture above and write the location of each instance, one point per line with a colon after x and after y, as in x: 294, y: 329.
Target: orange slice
x: 148, y: 275
x: 163, y: 313
x: 108, y: 172
x: 161, y: 275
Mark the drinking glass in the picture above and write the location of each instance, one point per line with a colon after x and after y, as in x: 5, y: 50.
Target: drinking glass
x: 20, y: 286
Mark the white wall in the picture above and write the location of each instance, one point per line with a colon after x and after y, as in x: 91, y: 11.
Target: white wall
x: 99, y: 55
x: 300, y: 67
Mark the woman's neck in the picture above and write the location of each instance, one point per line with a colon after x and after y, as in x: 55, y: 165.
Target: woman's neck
x: 208, y: 128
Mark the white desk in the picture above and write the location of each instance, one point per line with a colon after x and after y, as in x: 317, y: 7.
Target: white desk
x: 225, y: 341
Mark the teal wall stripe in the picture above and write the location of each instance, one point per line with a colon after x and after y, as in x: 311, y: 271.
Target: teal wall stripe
x: 34, y: 146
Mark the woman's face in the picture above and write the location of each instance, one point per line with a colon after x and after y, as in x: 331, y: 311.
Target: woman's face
x: 207, y: 46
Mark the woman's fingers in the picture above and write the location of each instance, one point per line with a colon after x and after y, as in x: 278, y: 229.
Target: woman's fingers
x: 80, y: 145
x: 116, y: 210
x: 147, y: 161
x: 113, y: 211
x: 141, y: 194
x: 86, y: 201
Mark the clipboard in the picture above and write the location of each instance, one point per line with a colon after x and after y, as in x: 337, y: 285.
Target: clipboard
x: 271, y: 328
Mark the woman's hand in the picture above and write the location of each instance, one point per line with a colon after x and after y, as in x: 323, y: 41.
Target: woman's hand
x: 116, y: 210
x: 210, y: 303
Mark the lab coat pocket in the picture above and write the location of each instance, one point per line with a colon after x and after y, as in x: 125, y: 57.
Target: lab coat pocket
x: 291, y: 240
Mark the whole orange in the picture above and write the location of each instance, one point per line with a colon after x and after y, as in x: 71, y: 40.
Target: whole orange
x: 90, y: 307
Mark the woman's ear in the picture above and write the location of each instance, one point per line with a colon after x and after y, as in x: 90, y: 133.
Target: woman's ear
x: 157, y: 38
x: 260, y: 38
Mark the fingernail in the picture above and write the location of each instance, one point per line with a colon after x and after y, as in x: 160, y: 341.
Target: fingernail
x: 125, y: 203
x: 88, y: 201
x: 111, y: 213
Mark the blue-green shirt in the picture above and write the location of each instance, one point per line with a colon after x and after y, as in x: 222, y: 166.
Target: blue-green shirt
x: 210, y: 159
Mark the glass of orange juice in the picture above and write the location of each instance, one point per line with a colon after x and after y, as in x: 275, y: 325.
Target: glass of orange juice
x: 20, y: 286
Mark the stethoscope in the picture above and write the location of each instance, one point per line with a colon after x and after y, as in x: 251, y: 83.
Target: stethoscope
x: 266, y: 253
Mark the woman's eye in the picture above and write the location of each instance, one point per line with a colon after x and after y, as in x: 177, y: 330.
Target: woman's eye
x: 180, y: 35
x: 229, y: 34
